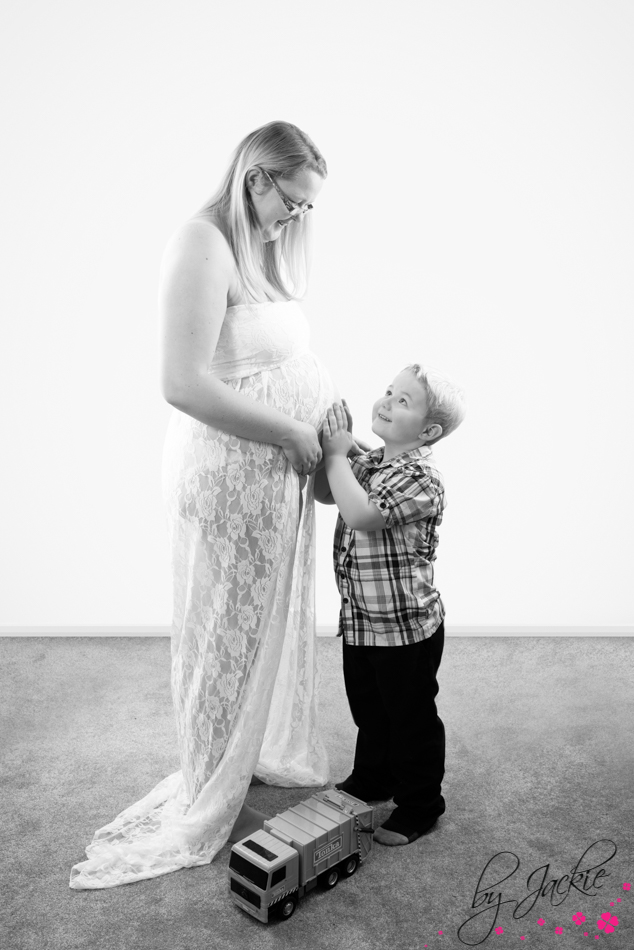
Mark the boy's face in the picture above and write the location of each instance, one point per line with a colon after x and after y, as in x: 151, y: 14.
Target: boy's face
x: 398, y: 417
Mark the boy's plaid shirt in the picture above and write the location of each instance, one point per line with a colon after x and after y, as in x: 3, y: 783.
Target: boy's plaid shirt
x: 386, y: 578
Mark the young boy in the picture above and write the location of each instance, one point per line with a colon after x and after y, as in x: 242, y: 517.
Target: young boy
x: 390, y: 502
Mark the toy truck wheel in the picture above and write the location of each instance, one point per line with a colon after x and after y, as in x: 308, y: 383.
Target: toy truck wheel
x: 287, y: 907
x: 329, y: 879
x: 350, y: 865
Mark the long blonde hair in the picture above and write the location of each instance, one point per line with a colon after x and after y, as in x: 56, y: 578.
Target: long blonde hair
x: 278, y: 267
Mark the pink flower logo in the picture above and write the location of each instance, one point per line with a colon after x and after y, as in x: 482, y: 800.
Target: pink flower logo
x: 607, y: 923
x: 541, y: 921
x: 578, y: 919
x: 626, y: 887
x: 559, y: 930
x: 499, y: 930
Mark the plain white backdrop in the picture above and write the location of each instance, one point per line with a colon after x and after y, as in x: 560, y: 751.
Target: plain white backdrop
x: 478, y: 216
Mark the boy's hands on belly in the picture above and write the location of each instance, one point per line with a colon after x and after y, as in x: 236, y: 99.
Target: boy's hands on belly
x: 336, y: 439
x: 351, y: 499
x: 358, y: 445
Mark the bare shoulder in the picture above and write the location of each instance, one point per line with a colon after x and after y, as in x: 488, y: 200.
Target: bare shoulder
x: 203, y: 240
x: 198, y: 264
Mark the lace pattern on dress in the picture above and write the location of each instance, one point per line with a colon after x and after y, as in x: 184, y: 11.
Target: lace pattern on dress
x: 243, y: 632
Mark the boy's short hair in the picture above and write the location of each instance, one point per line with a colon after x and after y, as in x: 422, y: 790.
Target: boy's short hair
x: 446, y: 402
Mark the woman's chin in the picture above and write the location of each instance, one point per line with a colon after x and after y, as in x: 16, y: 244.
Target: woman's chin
x: 272, y: 232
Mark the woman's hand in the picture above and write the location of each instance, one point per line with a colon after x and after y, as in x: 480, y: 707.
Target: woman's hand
x: 301, y: 447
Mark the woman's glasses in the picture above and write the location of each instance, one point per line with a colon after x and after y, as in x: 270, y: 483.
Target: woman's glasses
x: 293, y: 208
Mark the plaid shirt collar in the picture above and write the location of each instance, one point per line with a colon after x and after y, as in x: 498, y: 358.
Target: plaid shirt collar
x: 374, y: 458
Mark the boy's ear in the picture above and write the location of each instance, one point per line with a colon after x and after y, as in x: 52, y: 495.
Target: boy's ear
x: 434, y: 431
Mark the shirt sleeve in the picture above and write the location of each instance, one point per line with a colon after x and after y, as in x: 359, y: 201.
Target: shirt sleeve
x: 412, y: 494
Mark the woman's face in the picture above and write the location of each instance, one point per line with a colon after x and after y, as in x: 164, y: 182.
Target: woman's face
x: 270, y: 210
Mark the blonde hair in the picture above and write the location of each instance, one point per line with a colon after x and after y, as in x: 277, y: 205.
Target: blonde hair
x: 275, y: 267
x: 446, y: 402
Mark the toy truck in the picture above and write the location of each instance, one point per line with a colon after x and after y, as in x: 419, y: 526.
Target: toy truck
x: 316, y: 842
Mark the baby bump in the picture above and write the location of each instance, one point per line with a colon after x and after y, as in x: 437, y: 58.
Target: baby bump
x: 300, y: 388
x: 208, y: 472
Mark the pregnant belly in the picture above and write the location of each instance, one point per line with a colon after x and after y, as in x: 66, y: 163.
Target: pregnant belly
x: 208, y: 473
x: 300, y: 388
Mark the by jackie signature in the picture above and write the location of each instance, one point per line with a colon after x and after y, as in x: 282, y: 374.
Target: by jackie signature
x: 586, y: 877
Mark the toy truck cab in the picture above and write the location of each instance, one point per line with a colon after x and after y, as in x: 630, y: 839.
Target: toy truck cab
x: 262, y: 871
x: 316, y: 841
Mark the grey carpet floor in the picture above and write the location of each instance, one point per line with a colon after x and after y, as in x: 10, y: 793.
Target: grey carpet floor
x: 540, y: 762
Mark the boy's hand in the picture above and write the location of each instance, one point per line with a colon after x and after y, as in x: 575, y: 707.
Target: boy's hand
x: 336, y: 439
x: 358, y: 446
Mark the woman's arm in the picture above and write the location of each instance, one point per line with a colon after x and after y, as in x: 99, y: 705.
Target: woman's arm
x: 196, y: 274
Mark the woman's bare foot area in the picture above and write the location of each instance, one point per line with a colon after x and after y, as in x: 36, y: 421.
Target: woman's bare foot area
x: 248, y: 821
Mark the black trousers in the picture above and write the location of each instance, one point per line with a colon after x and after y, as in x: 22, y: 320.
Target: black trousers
x: 401, y: 740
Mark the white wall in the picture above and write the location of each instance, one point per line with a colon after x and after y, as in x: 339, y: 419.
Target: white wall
x: 478, y: 216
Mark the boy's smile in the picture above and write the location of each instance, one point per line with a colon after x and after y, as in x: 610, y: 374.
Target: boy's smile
x: 398, y: 417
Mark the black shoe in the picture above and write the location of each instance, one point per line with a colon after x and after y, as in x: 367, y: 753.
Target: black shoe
x: 350, y: 787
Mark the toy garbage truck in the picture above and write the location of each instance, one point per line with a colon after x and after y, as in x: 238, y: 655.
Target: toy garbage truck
x: 316, y: 842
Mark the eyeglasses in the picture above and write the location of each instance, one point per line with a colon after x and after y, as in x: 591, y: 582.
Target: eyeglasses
x: 293, y: 208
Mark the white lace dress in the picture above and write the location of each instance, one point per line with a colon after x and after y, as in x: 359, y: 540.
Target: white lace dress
x: 243, y: 634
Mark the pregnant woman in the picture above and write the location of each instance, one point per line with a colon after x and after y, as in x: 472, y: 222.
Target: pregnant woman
x: 250, y: 399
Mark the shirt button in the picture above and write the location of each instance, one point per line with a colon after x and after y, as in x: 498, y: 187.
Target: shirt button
x: 345, y: 600
x: 344, y: 548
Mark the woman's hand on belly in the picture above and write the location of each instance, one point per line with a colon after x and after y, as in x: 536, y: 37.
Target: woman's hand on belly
x: 301, y: 447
